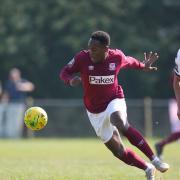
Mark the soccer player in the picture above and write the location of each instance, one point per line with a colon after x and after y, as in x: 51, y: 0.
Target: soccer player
x: 104, y: 99
x: 176, y: 85
x: 176, y: 82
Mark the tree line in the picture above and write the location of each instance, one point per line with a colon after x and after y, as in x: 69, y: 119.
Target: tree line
x: 40, y: 37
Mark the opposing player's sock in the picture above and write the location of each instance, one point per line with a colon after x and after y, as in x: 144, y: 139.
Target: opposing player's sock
x: 133, y: 159
x: 159, y: 150
x: 137, y: 140
x: 172, y: 137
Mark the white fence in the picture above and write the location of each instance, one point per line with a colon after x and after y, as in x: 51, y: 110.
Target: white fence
x: 67, y: 118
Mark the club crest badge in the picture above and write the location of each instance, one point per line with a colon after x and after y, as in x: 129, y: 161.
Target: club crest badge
x: 112, y: 66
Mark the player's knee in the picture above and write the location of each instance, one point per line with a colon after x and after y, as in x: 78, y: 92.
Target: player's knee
x: 123, y: 128
x: 119, y: 152
x: 117, y: 121
x: 116, y: 118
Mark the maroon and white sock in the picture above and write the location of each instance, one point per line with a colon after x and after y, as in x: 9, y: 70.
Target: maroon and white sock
x: 135, y: 138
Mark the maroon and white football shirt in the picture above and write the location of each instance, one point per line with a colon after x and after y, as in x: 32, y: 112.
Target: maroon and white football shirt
x: 99, y: 80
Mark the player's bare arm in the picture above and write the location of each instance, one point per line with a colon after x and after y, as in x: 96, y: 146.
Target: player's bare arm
x: 149, y: 59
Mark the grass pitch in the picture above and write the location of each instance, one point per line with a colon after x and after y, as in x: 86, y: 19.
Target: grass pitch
x: 74, y: 159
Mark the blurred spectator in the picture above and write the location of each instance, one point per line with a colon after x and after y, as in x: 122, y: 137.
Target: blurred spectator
x: 13, y: 104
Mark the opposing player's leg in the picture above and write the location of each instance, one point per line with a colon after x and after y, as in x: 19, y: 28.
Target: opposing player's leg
x: 126, y: 155
x: 160, y: 145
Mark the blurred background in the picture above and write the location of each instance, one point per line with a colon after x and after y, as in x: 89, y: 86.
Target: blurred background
x: 40, y: 37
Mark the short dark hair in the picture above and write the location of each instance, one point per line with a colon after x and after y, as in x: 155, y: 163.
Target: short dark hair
x: 101, y: 36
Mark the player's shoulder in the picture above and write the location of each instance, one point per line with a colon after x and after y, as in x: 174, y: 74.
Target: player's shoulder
x: 178, y: 54
x: 177, y: 63
x: 177, y: 58
x: 81, y: 54
x: 78, y: 58
x: 116, y: 53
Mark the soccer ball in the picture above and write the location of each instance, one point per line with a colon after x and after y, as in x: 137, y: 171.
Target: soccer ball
x: 35, y: 118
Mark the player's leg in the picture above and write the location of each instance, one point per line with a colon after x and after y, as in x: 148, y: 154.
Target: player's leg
x: 171, y: 138
x: 119, y: 119
x: 126, y: 155
x: 110, y: 136
x: 133, y: 135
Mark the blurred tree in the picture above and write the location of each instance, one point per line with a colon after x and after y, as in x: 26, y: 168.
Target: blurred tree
x: 41, y: 36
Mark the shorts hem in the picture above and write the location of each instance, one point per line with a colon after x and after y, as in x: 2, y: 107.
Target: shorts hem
x: 105, y: 141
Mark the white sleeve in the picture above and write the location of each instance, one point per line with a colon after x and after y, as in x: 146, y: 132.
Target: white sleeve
x: 177, y: 63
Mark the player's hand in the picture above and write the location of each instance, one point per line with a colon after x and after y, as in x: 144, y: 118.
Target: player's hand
x: 75, y: 81
x: 149, y: 59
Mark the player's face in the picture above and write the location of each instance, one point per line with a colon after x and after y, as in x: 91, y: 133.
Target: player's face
x: 97, y: 51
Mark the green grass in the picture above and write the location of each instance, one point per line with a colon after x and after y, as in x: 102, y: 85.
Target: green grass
x: 73, y: 159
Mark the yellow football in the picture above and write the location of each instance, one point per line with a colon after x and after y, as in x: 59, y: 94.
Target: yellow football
x: 35, y: 118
